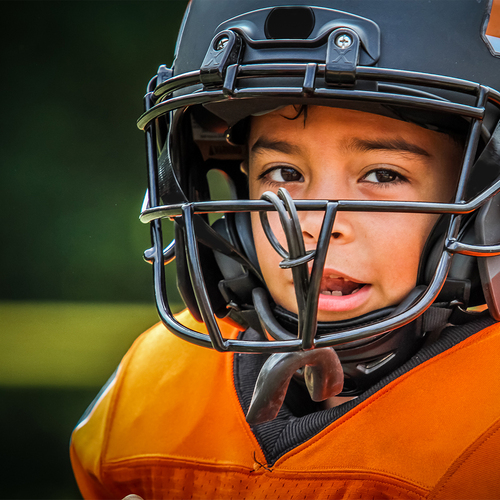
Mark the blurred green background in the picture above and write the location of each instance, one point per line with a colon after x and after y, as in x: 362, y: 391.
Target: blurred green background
x: 74, y: 290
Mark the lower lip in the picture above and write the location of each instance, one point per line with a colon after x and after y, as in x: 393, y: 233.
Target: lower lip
x: 344, y: 302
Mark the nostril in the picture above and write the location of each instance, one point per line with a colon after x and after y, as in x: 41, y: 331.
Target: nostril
x: 336, y: 235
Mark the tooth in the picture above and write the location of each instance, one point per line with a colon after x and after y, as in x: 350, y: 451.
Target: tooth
x: 337, y: 293
x: 354, y: 291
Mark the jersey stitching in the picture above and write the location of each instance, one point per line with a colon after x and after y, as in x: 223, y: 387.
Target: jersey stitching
x: 464, y: 457
x: 186, y: 463
x: 281, y: 475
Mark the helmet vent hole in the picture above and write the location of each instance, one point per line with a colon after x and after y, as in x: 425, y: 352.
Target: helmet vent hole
x: 289, y: 23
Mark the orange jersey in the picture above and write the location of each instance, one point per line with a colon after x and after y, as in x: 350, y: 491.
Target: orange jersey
x: 172, y: 425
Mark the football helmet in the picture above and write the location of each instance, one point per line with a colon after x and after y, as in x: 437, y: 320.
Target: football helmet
x: 436, y: 64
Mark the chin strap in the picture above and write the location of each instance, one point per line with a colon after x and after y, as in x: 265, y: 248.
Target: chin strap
x: 323, y: 376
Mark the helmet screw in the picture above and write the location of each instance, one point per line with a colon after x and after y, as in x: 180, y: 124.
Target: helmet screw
x: 343, y: 41
x: 221, y: 42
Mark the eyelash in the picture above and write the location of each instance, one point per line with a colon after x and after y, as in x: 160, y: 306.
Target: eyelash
x: 398, y: 178
x: 266, y: 175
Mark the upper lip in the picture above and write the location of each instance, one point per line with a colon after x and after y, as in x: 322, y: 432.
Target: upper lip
x: 332, y: 273
x: 333, y: 280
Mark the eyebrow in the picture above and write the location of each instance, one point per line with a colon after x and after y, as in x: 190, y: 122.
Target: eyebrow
x: 280, y: 146
x: 361, y: 145
x: 397, y: 144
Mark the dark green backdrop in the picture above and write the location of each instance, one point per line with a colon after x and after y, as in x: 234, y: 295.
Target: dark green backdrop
x: 73, y: 74
x: 73, y: 168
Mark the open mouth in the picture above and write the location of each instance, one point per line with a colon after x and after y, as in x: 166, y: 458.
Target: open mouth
x: 338, y: 287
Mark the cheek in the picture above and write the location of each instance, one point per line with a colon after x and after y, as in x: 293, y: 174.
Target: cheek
x: 267, y: 256
x: 397, y: 244
x: 278, y: 281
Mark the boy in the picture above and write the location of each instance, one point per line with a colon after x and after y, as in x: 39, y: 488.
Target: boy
x: 344, y: 260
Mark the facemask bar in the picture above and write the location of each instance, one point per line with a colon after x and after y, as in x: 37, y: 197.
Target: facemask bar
x: 215, y: 340
x: 306, y: 289
x: 296, y: 344
x: 296, y: 258
x: 165, y: 101
x: 161, y: 100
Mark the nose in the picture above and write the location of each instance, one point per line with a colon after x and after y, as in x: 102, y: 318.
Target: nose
x: 332, y: 186
x: 311, y: 223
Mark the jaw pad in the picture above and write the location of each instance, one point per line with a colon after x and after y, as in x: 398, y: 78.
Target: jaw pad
x: 322, y: 373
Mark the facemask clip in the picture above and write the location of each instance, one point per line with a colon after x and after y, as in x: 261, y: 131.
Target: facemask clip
x: 224, y: 50
x: 342, y: 57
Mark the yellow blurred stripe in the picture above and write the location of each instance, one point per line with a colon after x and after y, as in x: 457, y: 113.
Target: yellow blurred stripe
x: 67, y: 344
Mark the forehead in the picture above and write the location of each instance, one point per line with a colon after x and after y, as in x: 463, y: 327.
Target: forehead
x: 331, y: 123
x: 325, y: 137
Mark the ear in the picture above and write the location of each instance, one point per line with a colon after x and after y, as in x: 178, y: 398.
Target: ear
x: 487, y: 230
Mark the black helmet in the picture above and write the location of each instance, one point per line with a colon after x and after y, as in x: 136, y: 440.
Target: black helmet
x: 434, y: 64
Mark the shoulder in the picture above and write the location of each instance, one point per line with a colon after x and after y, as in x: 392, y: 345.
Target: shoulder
x: 152, y: 392
x: 158, y: 358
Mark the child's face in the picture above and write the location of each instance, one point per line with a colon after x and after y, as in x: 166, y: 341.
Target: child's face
x: 373, y: 258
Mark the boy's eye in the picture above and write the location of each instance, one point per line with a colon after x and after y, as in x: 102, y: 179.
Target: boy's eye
x: 283, y: 174
x: 383, y: 176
